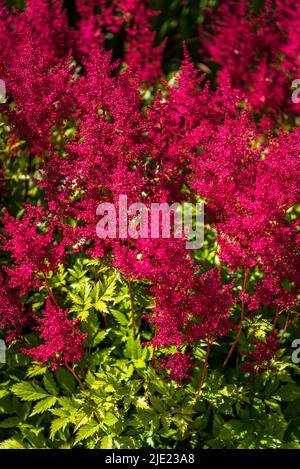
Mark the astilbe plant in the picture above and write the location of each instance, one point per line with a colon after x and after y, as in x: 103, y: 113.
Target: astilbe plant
x: 193, y: 141
x: 131, y: 18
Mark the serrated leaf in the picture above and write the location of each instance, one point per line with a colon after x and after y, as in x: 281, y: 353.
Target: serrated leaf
x: 69, y: 404
x: 134, y: 349
x: 57, y: 425
x: 100, y: 336
x: 87, y: 431
x: 120, y: 317
x: 28, y: 391
x: 76, y: 299
x: 44, y: 405
x: 103, y: 293
x: 101, y: 306
x: 11, y: 443
x: 36, y: 370
x: 106, y: 442
x: 83, y: 315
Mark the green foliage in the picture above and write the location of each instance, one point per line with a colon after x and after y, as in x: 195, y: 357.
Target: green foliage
x: 127, y: 403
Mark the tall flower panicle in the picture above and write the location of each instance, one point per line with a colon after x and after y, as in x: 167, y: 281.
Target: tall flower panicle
x: 131, y: 19
x: 41, y: 94
x: 141, y: 53
x: 12, y: 314
x: 61, y: 337
x: 33, y: 249
x: 177, y: 365
x: 262, y: 357
x: 47, y: 23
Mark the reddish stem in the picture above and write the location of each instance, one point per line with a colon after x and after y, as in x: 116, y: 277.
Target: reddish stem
x: 276, y: 318
x: 49, y: 289
x: 285, y: 326
x: 203, y: 374
x: 132, y: 308
x: 72, y: 370
x: 242, y: 318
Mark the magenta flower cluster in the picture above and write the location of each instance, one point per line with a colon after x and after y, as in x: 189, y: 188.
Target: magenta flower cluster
x: 193, y: 140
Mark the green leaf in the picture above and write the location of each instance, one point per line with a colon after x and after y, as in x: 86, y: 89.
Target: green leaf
x: 87, y: 430
x: 36, y: 370
x: 106, y: 442
x: 157, y: 404
x: 29, y: 391
x: 44, y: 405
x: 134, y: 349
x: 57, y: 425
x: 120, y: 317
x: 110, y: 419
x: 82, y: 300
x: 11, y: 443
x: 10, y: 422
x: 142, y: 403
x: 103, y: 293
x: 3, y: 393
x: 33, y: 435
x: 100, y: 336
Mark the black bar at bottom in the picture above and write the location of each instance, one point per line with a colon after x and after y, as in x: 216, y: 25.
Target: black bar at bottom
x: 150, y: 458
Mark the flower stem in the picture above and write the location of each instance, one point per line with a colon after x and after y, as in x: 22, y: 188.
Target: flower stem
x: 203, y: 374
x: 132, y: 308
x: 276, y: 318
x: 49, y: 289
x: 285, y: 326
x: 72, y: 370
x: 242, y: 318
x: 153, y: 355
x: 27, y: 180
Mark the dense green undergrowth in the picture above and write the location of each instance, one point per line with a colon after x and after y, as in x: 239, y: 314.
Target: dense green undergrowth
x: 124, y: 400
